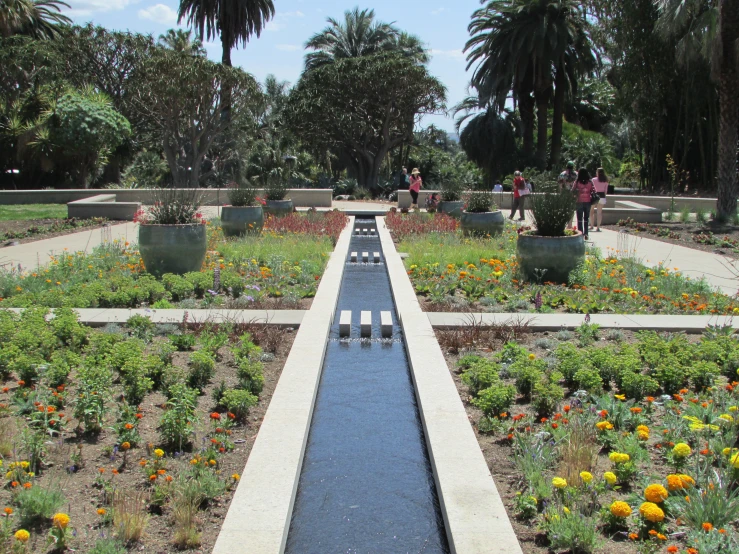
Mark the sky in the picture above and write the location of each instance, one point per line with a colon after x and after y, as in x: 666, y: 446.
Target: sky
x: 440, y: 24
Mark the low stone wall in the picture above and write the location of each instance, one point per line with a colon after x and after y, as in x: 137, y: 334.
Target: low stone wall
x: 103, y: 205
x: 302, y: 198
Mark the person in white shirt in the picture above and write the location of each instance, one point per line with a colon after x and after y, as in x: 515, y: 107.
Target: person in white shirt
x: 600, y: 182
x: 498, y: 187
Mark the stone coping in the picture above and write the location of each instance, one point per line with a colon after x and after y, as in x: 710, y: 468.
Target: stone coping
x: 555, y: 322
x: 474, y: 515
x: 103, y: 205
x: 99, y: 317
x: 258, y: 518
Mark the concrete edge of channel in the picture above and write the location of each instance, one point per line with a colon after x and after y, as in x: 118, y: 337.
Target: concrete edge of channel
x: 555, y: 322
x: 99, y: 317
x: 474, y: 515
x: 258, y: 518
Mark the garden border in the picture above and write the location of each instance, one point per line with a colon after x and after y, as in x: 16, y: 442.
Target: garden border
x: 474, y: 515
x: 260, y: 512
x: 555, y: 322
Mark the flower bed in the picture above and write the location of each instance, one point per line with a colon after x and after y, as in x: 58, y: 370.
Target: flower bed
x: 453, y: 273
x: 607, y: 441
x: 280, y: 268
x: 132, y: 434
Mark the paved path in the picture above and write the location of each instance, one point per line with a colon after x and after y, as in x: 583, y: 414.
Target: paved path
x: 695, y: 264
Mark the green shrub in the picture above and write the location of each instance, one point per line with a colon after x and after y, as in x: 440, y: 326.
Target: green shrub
x: 179, y: 419
x: 527, y: 373
x: 141, y: 327
x: 162, y: 304
x: 571, y: 532
x: 570, y: 360
x: 495, y: 400
x: 481, y: 375
x: 637, y: 385
x: 61, y: 364
x: 108, y: 546
x: 68, y: 330
x: 213, y: 341
x: 124, y: 352
x: 704, y: 375
x: 182, y: 341
x: 479, y: 202
x: 251, y: 376
x: 546, y: 396
x: 589, y: 380
x: 37, y: 504
x: 179, y: 287
x: 136, y: 381
x: 238, y: 402
x: 200, y: 282
x: 246, y: 348
x: 202, y: 366
x: 552, y: 212
x: 670, y: 374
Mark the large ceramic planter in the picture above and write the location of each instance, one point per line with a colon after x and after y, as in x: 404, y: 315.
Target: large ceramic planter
x: 175, y: 249
x: 241, y: 220
x: 557, y: 255
x: 482, y: 223
x: 279, y: 208
x: 451, y: 207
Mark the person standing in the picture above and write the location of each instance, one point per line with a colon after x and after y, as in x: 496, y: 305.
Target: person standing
x: 403, y: 181
x: 497, y: 187
x: 567, y: 177
x: 415, y: 186
x: 600, y: 182
x: 583, y: 189
x: 519, y: 195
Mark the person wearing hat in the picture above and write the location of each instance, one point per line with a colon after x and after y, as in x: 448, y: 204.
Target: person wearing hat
x: 415, y: 188
x: 568, y: 176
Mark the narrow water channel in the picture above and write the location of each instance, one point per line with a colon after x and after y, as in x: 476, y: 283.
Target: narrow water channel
x: 366, y: 484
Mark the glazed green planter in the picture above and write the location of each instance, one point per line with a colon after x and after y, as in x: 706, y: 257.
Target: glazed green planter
x: 482, y: 223
x: 237, y: 221
x: 451, y: 207
x: 279, y: 208
x: 557, y: 255
x: 176, y: 249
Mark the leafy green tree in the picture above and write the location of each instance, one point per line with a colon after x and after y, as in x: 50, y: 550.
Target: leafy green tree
x: 489, y: 141
x: 181, y: 99
x: 361, y: 108
x: 36, y: 18
x: 235, y: 21
x: 360, y: 35
x: 180, y: 40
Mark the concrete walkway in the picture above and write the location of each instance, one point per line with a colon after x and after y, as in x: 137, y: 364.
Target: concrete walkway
x: 717, y: 270
x: 32, y: 255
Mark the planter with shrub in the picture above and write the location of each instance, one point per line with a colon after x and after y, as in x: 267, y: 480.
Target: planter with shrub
x: 172, y: 236
x: 245, y: 215
x: 551, y: 251
x: 275, y: 191
x: 451, y: 199
x: 480, y: 216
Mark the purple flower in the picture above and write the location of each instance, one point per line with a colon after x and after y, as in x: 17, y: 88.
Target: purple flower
x: 250, y: 298
x: 537, y: 301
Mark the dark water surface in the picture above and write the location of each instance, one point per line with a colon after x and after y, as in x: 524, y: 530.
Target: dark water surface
x: 366, y: 483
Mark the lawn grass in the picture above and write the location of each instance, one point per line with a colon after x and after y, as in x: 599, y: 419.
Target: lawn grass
x: 23, y: 212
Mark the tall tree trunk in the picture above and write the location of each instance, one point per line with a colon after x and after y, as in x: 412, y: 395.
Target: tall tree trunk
x: 542, y: 116
x: 729, y: 108
x: 559, y: 108
x: 226, y: 92
x: 526, y: 109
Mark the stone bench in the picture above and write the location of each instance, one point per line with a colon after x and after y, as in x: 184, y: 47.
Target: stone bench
x: 102, y: 205
x: 628, y: 209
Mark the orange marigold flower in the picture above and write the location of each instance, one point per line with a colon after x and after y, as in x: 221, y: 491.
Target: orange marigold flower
x: 636, y: 410
x: 114, y: 471
x: 707, y: 527
x: 129, y: 426
x: 633, y: 536
x: 27, y: 485
x: 672, y: 549
x: 215, y: 415
x: 126, y: 445
x: 101, y: 511
x: 153, y: 477
x: 8, y: 511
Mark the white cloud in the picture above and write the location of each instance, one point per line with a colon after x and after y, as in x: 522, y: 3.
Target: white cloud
x: 159, y: 13
x: 278, y: 22
x: 88, y: 7
x: 292, y: 14
x: 455, y: 54
x: 288, y: 47
x: 437, y: 12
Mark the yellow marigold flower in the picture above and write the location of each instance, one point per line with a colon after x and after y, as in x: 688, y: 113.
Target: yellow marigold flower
x: 733, y: 408
x: 610, y: 477
x: 681, y: 450
x: 735, y: 460
x: 726, y: 451
x: 101, y: 511
x: 586, y: 476
x: 159, y: 453
x: 643, y: 428
x: 60, y: 520
x: 620, y: 396
x: 642, y: 435
x: 25, y: 464
x: 651, y: 512
x: 726, y: 417
x: 566, y: 510
x: 687, y: 480
x: 235, y: 477
x: 604, y: 425
x: 619, y: 457
x: 620, y: 509
x: 532, y: 356
x: 21, y: 535
x: 674, y: 483
x: 656, y: 493
x: 559, y: 483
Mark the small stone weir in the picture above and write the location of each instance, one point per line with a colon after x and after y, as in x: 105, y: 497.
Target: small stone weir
x: 366, y: 483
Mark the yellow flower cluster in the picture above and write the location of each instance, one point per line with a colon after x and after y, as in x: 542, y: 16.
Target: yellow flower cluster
x: 604, y: 425
x: 651, y: 512
x: 656, y: 493
x: 681, y: 450
x: 21, y: 535
x: 159, y: 453
x: 60, y: 520
x: 586, y: 477
x: 735, y: 460
x: 619, y: 457
x: 620, y: 509
x: 676, y: 482
x: 610, y: 477
x: 642, y: 432
x: 559, y: 483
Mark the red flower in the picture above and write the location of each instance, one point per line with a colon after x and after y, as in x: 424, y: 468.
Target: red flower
x: 215, y: 415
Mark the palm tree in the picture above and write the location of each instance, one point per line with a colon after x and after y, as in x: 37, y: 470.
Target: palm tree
x: 518, y: 46
x: 234, y: 20
x: 360, y: 35
x: 180, y: 41
x: 711, y: 30
x: 36, y: 18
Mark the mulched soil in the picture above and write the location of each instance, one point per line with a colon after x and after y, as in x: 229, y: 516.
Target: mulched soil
x: 499, y: 455
x: 83, y: 499
x: 684, y: 233
x: 24, y: 225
